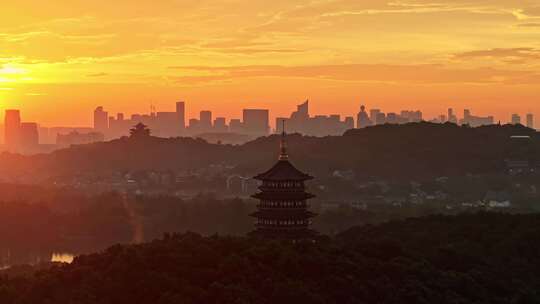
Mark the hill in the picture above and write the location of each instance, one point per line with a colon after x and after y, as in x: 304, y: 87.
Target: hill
x: 416, y: 150
x: 481, y: 258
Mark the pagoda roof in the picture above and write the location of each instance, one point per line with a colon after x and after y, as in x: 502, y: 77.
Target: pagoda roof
x: 283, y: 170
x: 283, y: 214
x: 283, y: 195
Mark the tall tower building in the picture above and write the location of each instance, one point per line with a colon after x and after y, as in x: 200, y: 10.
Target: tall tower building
x: 12, y: 127
x: 516, y: 119
x: 451, y: 116
x: 282, y: 212
x: 205, y: 121
x: 101, y: 120
x: 373, y: 113
x: 29, y: 136
x: 362, y: 119
x: 181, y: 115
x: 530, y: 121
x: 256, y: 122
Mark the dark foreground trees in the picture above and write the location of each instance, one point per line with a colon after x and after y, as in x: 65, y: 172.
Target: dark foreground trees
x: 482, y: 258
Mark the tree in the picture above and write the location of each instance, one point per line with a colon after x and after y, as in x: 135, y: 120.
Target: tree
x: 139, y: 130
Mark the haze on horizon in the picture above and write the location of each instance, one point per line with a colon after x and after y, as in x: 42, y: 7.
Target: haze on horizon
x: 59, y: 59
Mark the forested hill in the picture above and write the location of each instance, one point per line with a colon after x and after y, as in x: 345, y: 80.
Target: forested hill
x: 481, y: 258
x: 414, y: 150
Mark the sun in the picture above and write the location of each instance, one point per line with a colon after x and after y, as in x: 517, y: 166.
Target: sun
x: 11, y: 73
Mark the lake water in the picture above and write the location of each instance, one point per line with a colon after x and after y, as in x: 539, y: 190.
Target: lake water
x: 8, y: 259
x: 62, y: 257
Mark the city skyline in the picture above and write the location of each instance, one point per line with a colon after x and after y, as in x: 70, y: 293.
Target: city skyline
x: 476, y: 54
x: 192, y: 112
x: 23, y: 136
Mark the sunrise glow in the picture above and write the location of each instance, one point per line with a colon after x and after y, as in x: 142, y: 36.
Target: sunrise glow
x: 226, y: 55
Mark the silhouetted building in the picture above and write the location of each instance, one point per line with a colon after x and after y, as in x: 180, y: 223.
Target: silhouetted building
x: 362, y: 119
x: 205, y: 121
x: 451, y: 116
x: 194, y: 126
x: 220, y: 125
x: 282, y: 211
x: 166, y: 124
x: 76, y: 138
x: 380, y: 118
x: 475, y: 121
x: 236, y: 126
x: 256, y: 122
x: 181, y: 116
x: 373, y: 115
x: 12, y: 126
x: 29, y: 137
x: 319, y: 125
x: 348, y: 122
x: 516, y: 119
x: 101, y: 120
x: 530, y: 121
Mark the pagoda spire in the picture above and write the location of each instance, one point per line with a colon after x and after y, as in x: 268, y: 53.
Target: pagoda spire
x: 283, y: 155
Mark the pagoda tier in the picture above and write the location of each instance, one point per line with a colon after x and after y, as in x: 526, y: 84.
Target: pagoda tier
x: 282, y: 212
x: 282, y: 195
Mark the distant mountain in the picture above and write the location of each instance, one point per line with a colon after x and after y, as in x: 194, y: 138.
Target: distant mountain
x: 481, y: 258
x: 416, y: 150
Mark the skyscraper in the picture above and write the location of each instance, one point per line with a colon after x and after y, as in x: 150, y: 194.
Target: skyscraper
x: 451, y: 116
x: 256, y: 122
x: 220, y: 125
x: 12, y: 125
x: 205, y: 121
x: 236, y: 126
x: 373, y: 113
x: 516, y: 119
x: 530, y: 120
x: 101, y: 120
x: 362, y: 119
x: 181, y: 115
x: 29, y: 136
x: 348, y: 123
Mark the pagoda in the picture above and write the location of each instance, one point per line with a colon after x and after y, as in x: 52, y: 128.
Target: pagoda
x: 282, y: 212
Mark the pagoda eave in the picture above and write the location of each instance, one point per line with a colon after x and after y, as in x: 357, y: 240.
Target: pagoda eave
x: 283, y: 195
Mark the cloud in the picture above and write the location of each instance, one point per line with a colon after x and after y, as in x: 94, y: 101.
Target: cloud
x: 529, y: 25
x: 362, y: 73
x: 97, y: 75
x: 511, y: 55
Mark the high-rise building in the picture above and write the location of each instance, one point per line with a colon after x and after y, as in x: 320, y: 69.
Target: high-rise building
x: 12, y: 127
x: 516, y: 119
x: 530, y: 120
x: 373, y: 115
x: 348, y: 123
x: 392, y: 118
x: 380, y: 118
x: 362, y: 119
x: 101, y: 120
x: 256, y: 122
x: 475, y: 121
x: 165, y: 124
x: 220, y: 125
x: 205, y: 121
x: 451, y: 116
x: 76, y: 138
x: 29, y: 136
x: 236, y: 126
x: 181, y: 115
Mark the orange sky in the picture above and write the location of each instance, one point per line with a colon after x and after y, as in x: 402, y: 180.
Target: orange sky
x: 59, y: 59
